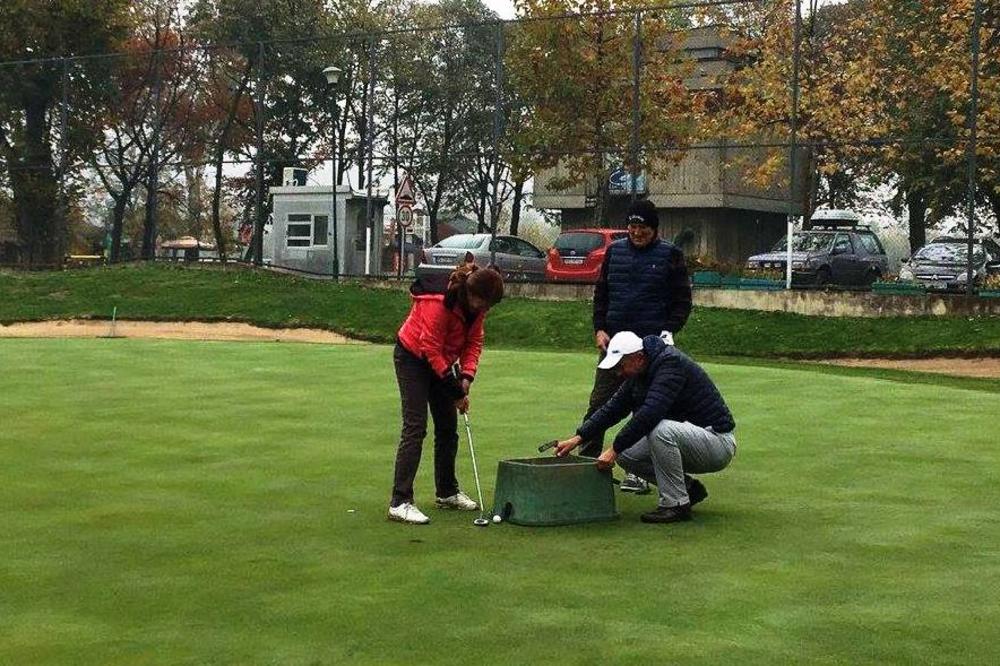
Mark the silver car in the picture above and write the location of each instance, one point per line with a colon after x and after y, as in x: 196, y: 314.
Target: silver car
x: 516, y: 258
x: 942, y: 264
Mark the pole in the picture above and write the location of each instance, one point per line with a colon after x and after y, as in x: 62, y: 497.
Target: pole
x: 152, y: 178
x: 636, y: 115
x: 64, y: 149
x: 793, y: 156
x: 972, y: 146
x: 400, y: 232
x: 369, y: 132
x: 335, y: 268
x: 497, y: 131
x: 258, y: 228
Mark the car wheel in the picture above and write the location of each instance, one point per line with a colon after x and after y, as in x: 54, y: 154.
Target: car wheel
x: 823, y: 277
x: 872, y: 277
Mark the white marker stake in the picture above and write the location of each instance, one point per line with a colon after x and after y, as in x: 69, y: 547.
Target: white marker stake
x: 368, y: 251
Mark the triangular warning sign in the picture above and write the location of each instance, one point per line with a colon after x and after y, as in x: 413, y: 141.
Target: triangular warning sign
x: 405, y: 194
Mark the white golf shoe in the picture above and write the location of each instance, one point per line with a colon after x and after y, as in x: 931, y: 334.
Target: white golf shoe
x: 407, y: 512
x: 459, y: 501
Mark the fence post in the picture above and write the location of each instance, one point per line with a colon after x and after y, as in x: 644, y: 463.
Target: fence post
x: 153, y: 177
x: 258, y: 227
x: 369, y: 153
x: 972, y: 146
x: 636, y: 111
x: 793, y: 155
x: 497, y: 131
x: 64, y: 150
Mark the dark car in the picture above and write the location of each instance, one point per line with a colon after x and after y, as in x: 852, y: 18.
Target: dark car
x: 577, y: 255
x: 516, y: 258
x: 832, y: 252
x: 942, y: 264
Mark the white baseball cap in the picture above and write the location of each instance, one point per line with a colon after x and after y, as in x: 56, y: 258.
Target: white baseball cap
x: 621, y: 344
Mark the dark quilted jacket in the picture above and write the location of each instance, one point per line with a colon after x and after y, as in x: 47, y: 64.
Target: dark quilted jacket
x: 645, y: 291
x: 673, y: 387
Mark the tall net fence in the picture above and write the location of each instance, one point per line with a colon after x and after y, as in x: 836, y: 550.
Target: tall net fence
x: 360, y: 152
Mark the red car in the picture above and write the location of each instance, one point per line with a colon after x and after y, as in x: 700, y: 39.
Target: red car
x: 578, y: 254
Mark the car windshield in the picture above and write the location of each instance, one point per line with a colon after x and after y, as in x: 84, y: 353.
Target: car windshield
x: 580, y: 242
x: 461, y: 242
x: 949, y: 253
x: 806, y: 242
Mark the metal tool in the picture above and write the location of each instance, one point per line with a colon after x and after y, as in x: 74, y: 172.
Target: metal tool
x: 542, y: 448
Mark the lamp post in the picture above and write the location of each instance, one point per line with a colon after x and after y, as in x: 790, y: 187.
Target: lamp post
x: 332, y: 77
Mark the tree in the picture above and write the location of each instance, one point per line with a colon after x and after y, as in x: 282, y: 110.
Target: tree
x: 148, y: 123
x: 268, y: 76
x: 440, y: 110
x: 893, y: 112
x: 37, y: 154
x: 576, y: 77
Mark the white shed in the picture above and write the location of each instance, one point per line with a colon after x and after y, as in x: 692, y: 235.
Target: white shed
x: 301, y: 234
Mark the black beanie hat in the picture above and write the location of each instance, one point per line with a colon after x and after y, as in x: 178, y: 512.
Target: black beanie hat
x: 644, y: 212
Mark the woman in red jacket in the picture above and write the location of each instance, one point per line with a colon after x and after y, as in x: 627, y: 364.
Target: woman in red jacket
x: 442, y: 330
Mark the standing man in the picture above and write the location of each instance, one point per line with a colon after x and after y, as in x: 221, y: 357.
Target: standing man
x: 643, y: 288
x: 680, y: 423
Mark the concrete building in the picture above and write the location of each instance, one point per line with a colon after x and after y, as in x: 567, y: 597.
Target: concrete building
x: 300, y: 236
x: 704, y: 192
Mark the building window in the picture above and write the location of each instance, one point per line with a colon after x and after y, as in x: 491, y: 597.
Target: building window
x: 305, y: 230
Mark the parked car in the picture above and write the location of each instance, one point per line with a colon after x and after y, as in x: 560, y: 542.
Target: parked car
x: 516, y: 258
x: 577, y: 255
x: 837, y: 250
x: 942, y: 263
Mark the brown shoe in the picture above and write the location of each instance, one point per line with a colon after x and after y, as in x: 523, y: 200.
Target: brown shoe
x: 667, y: 514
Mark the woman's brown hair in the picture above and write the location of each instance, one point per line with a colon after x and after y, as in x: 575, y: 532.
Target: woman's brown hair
x: 468, y: 278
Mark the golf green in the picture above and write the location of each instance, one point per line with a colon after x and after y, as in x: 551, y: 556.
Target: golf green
x: 177, y: 502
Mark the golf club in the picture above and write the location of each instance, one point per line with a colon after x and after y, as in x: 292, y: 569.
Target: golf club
x: 481, y: 521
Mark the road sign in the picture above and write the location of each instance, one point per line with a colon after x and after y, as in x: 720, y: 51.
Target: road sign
x: 405, y: 216
x: 405, y: 194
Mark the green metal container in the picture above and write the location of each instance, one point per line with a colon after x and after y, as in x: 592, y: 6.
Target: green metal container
x: 553, y: 491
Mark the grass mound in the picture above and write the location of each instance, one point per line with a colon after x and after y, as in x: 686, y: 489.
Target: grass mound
x: 168, y: 292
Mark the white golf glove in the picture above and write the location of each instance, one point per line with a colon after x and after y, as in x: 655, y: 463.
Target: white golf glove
x: 667, y: 337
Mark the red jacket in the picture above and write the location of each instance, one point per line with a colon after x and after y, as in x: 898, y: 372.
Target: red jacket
x: 441, y: 335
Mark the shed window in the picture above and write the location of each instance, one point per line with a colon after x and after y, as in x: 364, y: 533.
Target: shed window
x: 307, y: 230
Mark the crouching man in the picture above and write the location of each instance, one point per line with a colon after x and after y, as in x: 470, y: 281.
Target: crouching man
x: 680, y: 423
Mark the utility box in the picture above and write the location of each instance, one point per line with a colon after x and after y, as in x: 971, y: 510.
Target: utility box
x: 553, y: 491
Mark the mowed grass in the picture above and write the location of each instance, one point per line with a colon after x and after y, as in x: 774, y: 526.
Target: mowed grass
x: 169, y: 502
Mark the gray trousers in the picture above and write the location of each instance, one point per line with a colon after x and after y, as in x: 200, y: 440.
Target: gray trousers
x: 672, y: 449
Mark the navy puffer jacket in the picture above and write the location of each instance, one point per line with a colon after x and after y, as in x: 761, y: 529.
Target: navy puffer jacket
x: 643, y: 290
x: 672, y: 387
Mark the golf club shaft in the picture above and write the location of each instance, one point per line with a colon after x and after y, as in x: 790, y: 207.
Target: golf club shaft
x: 475, y: 468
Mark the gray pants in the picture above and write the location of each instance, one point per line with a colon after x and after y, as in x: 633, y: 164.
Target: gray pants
x: 672, y: 449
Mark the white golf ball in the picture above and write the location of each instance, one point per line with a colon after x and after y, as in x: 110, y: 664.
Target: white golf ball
x: 497, y: 518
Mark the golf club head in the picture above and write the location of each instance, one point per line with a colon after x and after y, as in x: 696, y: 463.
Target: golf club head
x: 542, y: 448
x: 481, y: 522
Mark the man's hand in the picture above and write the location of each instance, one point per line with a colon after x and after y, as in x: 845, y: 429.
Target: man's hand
x: 602, y: 339
x: 462, y: 405
x: 565, y: 446
x: 465, y: 386
x: 607, y: 459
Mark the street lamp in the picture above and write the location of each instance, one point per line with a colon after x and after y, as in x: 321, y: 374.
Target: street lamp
x: 332, y: 77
